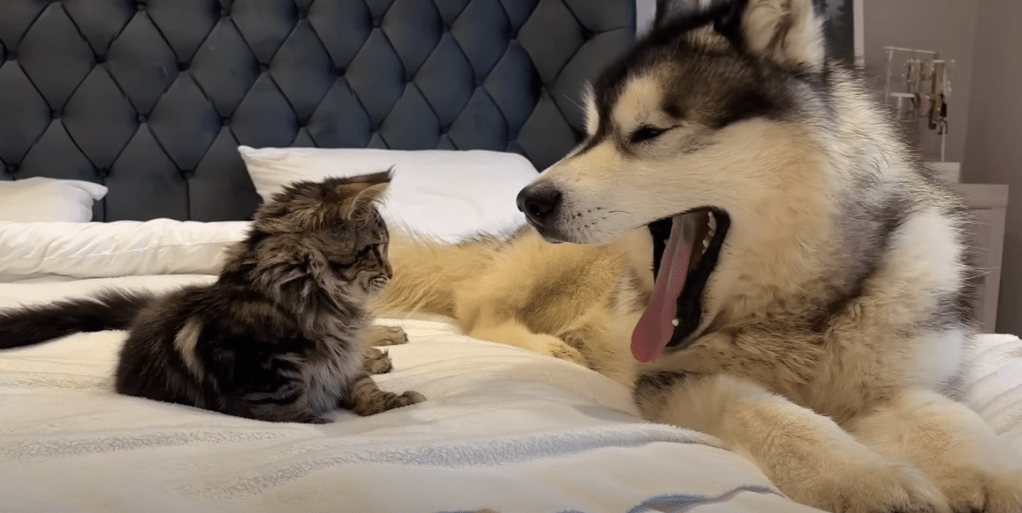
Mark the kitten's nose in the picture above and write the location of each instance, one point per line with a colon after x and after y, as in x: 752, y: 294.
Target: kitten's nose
x: 539, y: 203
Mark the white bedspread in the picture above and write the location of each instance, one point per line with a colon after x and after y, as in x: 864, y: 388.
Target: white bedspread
x: 995, y: 385
x: 502, y: 429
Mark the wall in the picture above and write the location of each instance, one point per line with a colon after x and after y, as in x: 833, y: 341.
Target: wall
x: 993, y: 149
x: 644, y: 11
x: 945, y: 26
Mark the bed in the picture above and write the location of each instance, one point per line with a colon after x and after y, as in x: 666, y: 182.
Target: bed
x: 136, y: 139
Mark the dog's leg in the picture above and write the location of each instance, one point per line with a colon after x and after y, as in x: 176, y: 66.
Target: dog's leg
x: 808, y: 456
x: 952, y: 444
x: 514, y: 333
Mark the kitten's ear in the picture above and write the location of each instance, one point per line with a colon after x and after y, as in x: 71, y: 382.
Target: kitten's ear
x: 382, y: 177
x: 367, y: 196
x: 787, y: 32
x: 372, y: 193
x: 289, y: 209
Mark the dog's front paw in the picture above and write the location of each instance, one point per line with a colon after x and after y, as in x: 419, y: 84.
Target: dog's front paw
x: 972, y: 489
x: 553, y: 346
x: 1004, y: 492
x: 380, y: 335
x: 873, y: 488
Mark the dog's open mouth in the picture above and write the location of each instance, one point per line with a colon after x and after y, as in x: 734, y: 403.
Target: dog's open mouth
x: 686, y: 248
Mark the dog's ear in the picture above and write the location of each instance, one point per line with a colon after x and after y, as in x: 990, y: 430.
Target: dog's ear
x: 592, y: 115
x: 787, y: 32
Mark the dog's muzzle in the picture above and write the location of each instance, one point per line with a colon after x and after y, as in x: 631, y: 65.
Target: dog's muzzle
x: 540, y: 203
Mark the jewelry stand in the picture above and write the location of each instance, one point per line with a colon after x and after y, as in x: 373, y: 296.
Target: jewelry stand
x: 926, y: 90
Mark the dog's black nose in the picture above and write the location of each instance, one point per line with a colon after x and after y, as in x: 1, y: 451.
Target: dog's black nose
x: 539, y: 203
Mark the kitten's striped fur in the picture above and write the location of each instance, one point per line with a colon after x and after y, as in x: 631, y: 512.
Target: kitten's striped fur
x: 283, y: 334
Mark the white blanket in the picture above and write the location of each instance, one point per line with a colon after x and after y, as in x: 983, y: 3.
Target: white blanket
x: 503, y: 429
x: 995, y: 385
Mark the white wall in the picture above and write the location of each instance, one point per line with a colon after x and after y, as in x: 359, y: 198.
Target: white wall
x: 945, y: 26
x: 644, y: 11
x: 993, y: 146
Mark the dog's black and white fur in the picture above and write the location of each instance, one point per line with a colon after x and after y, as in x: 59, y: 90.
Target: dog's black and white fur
x: 810, y: 304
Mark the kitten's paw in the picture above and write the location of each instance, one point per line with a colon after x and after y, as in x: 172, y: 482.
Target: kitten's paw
x: 870, y: 488
x: 410, y: 397
x: 377, y: 362
x: 380, y: 335
x: 385, y: 401
x: 308, y: 418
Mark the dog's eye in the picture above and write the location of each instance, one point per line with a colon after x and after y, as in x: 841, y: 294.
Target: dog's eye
x: 645, y: 133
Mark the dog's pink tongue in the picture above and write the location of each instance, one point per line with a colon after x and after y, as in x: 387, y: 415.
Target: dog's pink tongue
x: 654, y: 329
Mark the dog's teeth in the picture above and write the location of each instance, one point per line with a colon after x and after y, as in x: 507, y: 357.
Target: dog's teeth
x: 675, y: 323
x: 712, y: 221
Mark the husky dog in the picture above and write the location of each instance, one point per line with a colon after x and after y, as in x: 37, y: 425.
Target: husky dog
x: 809, y: 306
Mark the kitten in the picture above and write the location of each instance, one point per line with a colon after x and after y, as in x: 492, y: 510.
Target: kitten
x: 284, y: 333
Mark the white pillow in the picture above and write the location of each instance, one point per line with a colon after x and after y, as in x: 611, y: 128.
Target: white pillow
x: 443, y: 193
x: 40, y: 199
x: 120, y: 248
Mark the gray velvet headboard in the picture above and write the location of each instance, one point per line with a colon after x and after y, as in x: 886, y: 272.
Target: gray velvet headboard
x: 152, y: 97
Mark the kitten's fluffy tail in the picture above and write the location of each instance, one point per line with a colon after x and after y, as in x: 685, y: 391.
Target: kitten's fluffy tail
x: 112, y: 310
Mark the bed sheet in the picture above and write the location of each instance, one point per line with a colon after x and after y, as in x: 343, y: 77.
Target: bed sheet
x: 502, y: 429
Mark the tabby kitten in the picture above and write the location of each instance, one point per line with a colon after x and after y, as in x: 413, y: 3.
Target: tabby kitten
x: 283, y: 335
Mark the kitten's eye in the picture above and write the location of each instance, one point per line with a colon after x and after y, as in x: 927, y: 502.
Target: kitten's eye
x: 645, y: 133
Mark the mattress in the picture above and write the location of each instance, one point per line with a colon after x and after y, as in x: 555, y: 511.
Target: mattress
x: 502, y: 428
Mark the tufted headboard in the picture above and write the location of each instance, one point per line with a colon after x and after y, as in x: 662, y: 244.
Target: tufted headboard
x: 152, y: 97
